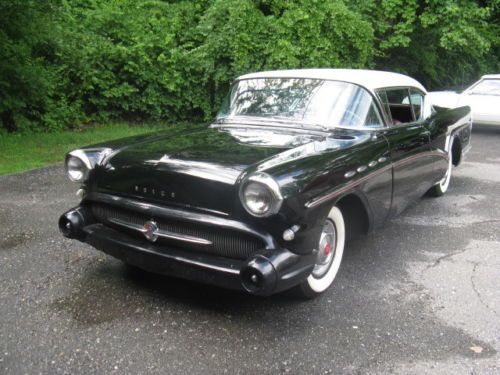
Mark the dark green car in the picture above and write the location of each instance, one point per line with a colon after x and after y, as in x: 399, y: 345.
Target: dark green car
x: 296, y: 163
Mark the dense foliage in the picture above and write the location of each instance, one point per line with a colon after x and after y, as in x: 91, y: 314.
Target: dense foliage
x: 64, y: 63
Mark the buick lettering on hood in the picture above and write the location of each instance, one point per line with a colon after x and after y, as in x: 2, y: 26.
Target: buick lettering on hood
x: 264, y: 199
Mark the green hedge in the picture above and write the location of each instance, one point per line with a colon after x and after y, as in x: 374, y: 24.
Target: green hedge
x: 66, y: 63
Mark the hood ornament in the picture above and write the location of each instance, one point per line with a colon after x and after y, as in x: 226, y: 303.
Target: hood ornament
x: 164, y: 159
x: 150, y: 230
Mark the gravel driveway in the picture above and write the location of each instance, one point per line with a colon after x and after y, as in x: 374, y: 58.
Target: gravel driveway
x: 420, y: 296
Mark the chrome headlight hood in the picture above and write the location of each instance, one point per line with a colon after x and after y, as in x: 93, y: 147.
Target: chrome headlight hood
x: 260, y: 195
x: 79, y: 162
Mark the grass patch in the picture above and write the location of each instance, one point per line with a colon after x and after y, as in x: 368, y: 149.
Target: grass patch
x: 22, y: 152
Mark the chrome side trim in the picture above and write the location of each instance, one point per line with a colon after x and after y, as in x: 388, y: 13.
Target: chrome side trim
x: 162, y: 233
x: 437, y: 152
x: 336, y: 192
x: 317, y: 201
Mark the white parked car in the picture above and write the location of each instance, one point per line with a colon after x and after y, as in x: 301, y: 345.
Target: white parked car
x: 483, y: 97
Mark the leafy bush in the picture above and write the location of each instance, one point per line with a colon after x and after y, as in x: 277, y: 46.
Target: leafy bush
x: 63, y: 64
x: 26, y: 78
x: 441, y: 43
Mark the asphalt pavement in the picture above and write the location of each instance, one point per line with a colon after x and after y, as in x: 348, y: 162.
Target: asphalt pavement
x: 419, y: 296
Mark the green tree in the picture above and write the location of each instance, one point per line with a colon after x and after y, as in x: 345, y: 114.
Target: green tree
x: 240, y: 36
x: 26, y: 81
x: 64, y: 63
x: 439, y: 42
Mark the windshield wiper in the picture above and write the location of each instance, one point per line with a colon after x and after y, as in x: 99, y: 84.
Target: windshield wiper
x: 275, y: 122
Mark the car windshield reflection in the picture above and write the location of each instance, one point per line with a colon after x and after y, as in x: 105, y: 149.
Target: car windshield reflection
x: 298, y: 101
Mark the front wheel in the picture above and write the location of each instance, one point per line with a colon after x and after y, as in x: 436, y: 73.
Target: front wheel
x: 331, y: 248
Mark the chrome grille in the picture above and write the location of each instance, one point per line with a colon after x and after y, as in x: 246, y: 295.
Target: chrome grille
x: 226, y: 243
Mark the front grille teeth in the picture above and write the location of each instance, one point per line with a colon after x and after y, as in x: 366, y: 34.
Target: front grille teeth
x: 214, y: 241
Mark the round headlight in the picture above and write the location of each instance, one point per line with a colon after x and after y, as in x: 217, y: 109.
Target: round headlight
x: 261, y: 195
x: 76, y: 168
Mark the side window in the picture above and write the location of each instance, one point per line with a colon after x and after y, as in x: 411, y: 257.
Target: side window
x: 417, y: 102
x: 351, y: 107
x: 397, y: 104
x: 385, y: 103
x: 373, y: 119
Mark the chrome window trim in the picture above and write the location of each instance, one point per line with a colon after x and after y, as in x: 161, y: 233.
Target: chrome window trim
x: 421, y: 105
x: 372, y: 92
x: 387, y: 116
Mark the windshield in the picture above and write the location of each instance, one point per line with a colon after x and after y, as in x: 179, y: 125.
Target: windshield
x: 305, y: 101
x: 487, y: 87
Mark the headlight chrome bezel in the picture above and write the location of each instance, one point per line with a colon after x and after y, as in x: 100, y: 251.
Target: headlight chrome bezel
x: 89, y: 158
x: 270, y: 185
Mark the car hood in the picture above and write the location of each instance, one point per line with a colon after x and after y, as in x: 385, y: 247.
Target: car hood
x: 192, y: 168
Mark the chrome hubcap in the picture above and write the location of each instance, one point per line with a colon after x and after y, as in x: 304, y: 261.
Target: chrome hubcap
x: 326, y: 250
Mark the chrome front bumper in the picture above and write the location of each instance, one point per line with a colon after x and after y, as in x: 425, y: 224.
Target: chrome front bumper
x: 269, y: 270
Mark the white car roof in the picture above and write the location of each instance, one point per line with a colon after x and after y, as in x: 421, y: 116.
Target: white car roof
x: 369, y: 79
x: 491, y: 76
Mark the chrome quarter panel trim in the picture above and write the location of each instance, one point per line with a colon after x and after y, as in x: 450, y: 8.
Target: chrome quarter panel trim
x: 352, y: 184
x: 438, y: 153
x: 335, y: 193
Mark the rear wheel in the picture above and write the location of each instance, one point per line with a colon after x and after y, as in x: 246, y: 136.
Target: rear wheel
x: 331, y: 248
x: 442, y: 186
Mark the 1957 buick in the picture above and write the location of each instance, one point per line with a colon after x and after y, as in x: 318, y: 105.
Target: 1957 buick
x: 264, y: 199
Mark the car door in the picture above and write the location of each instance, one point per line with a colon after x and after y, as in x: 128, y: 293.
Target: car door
x: 409, y: 143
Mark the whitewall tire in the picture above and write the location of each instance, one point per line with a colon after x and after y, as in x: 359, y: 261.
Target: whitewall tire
x: 442, y: 186
x: 330, y: 251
